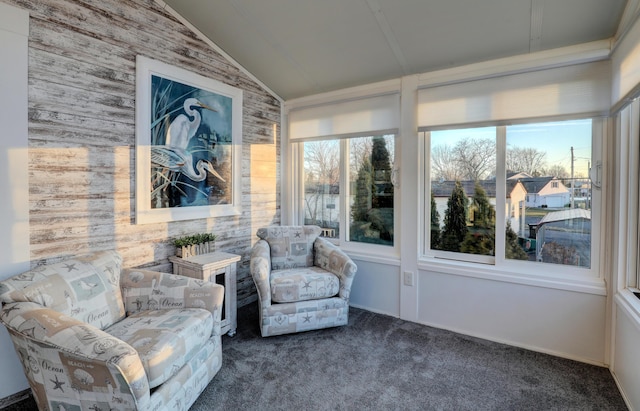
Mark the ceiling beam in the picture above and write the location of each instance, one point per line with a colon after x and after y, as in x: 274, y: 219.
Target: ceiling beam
x: 535, y: 31
x: 388, y: 34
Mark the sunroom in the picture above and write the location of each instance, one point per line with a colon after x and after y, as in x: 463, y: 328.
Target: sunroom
x: 564, y: 286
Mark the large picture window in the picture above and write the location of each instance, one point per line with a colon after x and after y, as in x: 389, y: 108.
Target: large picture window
x: 512, y: 193
x: 348, y: 188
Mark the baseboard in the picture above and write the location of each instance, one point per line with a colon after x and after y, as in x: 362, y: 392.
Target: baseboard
x: 12, y: 399
x: 554, y: 353
x: 373, y: 310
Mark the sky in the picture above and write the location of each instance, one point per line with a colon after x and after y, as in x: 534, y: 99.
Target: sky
x: 555, y: 138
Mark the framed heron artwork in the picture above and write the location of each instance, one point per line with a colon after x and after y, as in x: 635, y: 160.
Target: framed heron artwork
x: 188, y: 144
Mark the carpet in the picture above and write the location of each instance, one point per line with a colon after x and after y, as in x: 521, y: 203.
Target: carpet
x: 379, y: 362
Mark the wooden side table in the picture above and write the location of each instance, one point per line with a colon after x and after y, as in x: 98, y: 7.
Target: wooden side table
x: 218, y: 267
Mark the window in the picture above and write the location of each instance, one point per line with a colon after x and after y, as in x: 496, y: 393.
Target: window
x: 322, y: 185
x: 463, y: 169
x: 348, y: 188
x: 513, y: 193
x: 552, y: 161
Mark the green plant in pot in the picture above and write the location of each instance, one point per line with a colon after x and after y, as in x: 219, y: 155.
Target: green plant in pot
x: 196, y: 244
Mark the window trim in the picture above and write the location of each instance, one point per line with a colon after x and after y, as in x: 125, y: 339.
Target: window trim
x: 499, y: 268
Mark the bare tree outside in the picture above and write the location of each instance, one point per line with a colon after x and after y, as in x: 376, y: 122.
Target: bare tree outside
x: 476, y: 158
x: 556, y: 170
x: 529, y: 160
x: 469, y: 159
x: 322, y: 160
x: 359, y: 150
x: 322, y: 175
x: 444, y: 164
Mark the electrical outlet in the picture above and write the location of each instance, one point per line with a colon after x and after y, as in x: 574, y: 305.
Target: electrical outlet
x: 408, y: 278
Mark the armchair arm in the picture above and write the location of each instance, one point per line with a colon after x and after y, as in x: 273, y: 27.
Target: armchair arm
x: 260, y: 267
x: 83, y: 358
x: 144, y: 290
x: 329, y: 257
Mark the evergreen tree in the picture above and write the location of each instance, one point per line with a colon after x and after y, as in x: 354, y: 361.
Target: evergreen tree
x: 435, y: 225
x: 481, y: 238
x: 512, y: 248
x: 484, y: 213
x: 381, y: 169
x: 455, y: 219
x: 362, y: 200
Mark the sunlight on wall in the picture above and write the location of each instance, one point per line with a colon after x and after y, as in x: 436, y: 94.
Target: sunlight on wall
x: 263, y: 183
x: 82, y: 196
x: 15, y: 245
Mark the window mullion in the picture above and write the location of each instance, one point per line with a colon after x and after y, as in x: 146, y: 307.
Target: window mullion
x: 345, y: 191
x: 501, y: 194
x: 297, y: 156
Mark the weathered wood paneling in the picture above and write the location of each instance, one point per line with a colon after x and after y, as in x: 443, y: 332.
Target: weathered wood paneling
x: 82, y: 133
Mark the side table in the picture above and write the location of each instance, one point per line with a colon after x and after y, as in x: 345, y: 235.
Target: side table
x: 218, y: 267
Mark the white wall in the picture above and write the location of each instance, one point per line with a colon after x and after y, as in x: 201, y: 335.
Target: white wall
x: 564, y: 323
x: 376, y: 287
x: 626, y: 364
x: 14, y: 184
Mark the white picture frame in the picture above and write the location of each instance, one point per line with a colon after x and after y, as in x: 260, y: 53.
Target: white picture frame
x: 188, y: 145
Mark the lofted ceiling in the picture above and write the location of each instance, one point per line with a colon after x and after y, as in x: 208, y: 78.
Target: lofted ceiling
x: 304, y: 47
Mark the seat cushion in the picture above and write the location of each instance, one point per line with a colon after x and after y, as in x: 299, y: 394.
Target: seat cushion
x: 165, y: 339
x: 302, y: 284
x: 291, y: 246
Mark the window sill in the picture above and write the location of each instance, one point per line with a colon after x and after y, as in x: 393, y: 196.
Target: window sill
x: 582, y: 284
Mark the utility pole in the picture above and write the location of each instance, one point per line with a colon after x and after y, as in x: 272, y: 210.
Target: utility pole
x: 572, y: 182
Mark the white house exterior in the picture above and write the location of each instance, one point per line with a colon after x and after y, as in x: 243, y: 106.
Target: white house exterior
x: 546, y: 192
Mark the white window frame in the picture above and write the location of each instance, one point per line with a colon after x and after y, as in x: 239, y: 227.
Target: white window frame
x: 384, y: 251
x: 628, y: 131
x: 569, y: 277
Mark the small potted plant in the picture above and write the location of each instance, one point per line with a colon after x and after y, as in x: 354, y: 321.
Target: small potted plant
x: 196, y: 244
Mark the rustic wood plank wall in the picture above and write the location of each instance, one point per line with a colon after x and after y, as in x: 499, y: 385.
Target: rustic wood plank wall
x: 82, y: 133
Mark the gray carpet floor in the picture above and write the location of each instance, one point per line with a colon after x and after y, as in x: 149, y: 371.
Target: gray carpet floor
x: 383, y: 363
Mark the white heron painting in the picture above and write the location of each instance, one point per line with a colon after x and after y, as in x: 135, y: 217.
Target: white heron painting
x: 190, y: 150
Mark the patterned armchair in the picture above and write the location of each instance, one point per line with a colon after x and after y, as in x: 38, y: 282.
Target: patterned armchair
x: 92, y: 336
x: 303, y: 280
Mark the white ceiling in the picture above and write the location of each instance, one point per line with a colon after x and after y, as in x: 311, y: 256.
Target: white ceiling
x: 304, y: 47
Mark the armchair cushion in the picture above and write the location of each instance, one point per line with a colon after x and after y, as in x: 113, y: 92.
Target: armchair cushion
x: 165, y: 339
x: 145, y: 290
x: 291, y: 246
x: 302, y: 284
x: 86, y: 288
